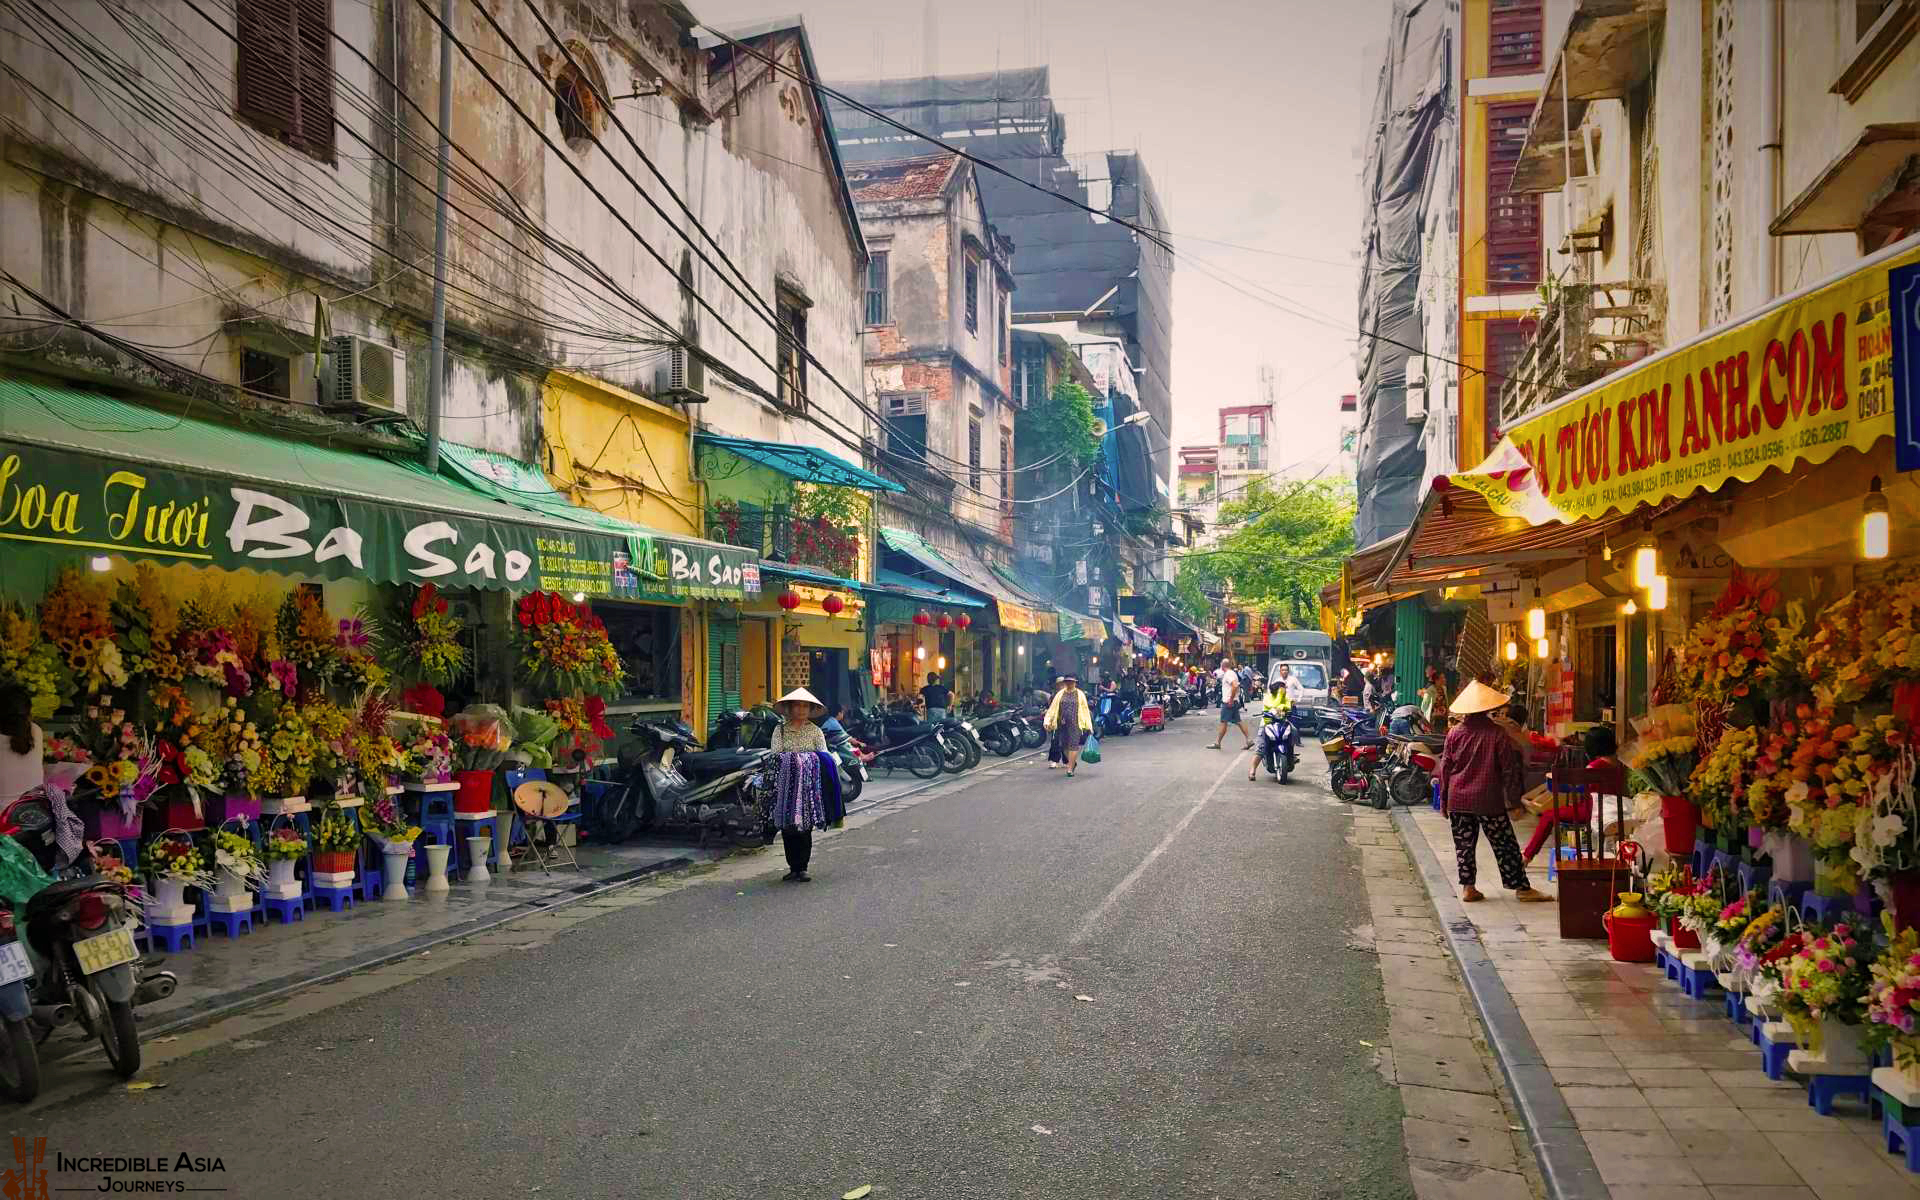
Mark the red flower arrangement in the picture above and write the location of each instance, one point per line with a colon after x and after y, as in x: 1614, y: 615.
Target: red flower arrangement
x: 564, y: 648
x: 425, y: 699
x: 583, y: 727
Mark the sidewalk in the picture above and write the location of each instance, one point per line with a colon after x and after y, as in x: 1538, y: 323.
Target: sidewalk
x: 1666, y: 1096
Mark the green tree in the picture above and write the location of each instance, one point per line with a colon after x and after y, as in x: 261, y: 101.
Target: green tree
x: 1061, y: 424
x: 1279, y: 547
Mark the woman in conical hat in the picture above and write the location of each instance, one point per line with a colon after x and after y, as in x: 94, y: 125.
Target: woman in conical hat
x: 797, y: 734
x: 1480, y: 777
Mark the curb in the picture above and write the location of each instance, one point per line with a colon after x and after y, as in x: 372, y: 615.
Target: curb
x: 1566, y: 1165
x: 219, y: 1007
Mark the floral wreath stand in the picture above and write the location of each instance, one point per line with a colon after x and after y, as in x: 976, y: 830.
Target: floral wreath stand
x: 230, y: 914
x: 288, y: 890
x: 172, y: 919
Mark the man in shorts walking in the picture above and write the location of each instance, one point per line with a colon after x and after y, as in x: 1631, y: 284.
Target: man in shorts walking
x: 1231, y: 698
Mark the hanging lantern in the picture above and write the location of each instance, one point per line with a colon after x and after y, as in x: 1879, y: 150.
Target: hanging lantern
x: 1233, y: 623
x: 788, y: 600
x: 833, y: 605
x: 945, y: 621
x: 922, y: 618
x: 963, y: 621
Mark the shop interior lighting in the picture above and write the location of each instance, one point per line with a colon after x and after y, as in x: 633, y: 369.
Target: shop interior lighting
x: 1876, y: 523
x: 100, y: 562
x: 941, y: 662
x: 920, y: 652
x: 1606, y: 551
x: 1629, y: 608
x: 1646, y: 561
x: 1542, y: 648
x: 1513, y: 650
x: 1019, y: 649
x: 1536, y: 622
x: 579, y: 597
x: 1657, y: 594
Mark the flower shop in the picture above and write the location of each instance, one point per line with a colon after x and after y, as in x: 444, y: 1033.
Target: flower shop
x: 273, y: 677
x: 1725, y: 535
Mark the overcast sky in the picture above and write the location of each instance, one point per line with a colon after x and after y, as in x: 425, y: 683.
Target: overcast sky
x: 1246, y: 112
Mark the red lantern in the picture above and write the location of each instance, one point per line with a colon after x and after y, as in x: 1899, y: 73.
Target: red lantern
x: 833, y: 604
x: 788, y: 600
x: 921, y: 618
x: 945, y: 621
x: 963, y: 621
x: 1233, y: 623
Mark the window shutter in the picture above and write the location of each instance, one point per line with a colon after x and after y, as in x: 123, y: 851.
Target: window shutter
x: 1515, y: 31
x: 315, y: 48
x: 268, y: 89
x: 1513, y: 219
x: 1507, y: 339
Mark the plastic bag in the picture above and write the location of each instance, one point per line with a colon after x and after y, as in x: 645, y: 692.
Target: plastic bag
x: 20, y: 875
x: 1090, y: 749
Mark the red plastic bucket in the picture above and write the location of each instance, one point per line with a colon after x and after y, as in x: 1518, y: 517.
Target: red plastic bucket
x: 1629, y: 939
x: 476, y: 792
x: 1681, y: 819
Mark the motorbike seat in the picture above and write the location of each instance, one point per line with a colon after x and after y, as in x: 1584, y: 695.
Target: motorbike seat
x: 54, y: 895
x: 714, y: 763
x: 1364, y: 740
x: 898, y: 732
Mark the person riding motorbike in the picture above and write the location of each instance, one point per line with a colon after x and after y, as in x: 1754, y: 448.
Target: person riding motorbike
x: 1276, y: 701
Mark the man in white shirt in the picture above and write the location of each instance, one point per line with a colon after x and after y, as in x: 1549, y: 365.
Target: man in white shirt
x: 1296, y: 692
x: 1231, y: 698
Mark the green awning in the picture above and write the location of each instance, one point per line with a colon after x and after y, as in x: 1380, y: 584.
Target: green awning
x: 805, y: 463
x: 665, y: 566
x: 83, y: 473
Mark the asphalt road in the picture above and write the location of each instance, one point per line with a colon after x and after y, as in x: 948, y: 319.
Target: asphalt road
x: 913, y: 1019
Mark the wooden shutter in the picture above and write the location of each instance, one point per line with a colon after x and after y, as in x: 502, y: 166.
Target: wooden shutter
x: 1506, y: 341
x: 1515, y: 31
x: 1513, y: 219
x: 284, y: 71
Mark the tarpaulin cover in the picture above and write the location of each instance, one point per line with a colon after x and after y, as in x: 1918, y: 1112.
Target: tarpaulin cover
x: 1413, y: 101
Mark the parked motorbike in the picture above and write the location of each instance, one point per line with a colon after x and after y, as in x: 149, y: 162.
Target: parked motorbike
x: 1116, y: 716
x: 736, y: 733
x: 897, y: 746
x: 1278, y: 743
x: 1033, y: 727
x: 654, y: 790
x: 19, y: 1058
x: 961, y: 745
x: 853, y: 768
x: 999, y: 731
x: 1406, y: 776
x: 80, y: 929
x: 1353, y: 756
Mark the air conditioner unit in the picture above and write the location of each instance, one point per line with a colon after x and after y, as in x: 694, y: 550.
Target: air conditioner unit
x: 365, y: 375
x: 1416, y: 389
x: 1581, y: 193
x: 680, y: 377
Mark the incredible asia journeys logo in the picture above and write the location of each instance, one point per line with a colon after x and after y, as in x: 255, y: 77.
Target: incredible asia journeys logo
x: 1798, y: 383
x: 26, y: 1178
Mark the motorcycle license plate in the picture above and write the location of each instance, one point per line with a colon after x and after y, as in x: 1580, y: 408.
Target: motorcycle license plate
x: 13, y: 963
x: 111, y: 949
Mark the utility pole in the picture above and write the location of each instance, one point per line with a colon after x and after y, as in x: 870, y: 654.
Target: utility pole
x: 437, y: 346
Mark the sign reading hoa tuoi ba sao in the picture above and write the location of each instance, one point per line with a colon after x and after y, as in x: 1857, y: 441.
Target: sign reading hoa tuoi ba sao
x: 1798, y: 382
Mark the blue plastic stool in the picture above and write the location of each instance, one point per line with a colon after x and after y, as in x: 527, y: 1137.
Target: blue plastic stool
x: 1773, y: 1055
x: 1697, y: 983
x: 1753, y: 875
x: 172, y: 938
x: 1786, y: 895
x: 1894, y: 1118
x: 1724, y: 863
x: 288, y: 910
x: 336, y: 899
x: 1823, y: 1090
x: 233, y: 924
x: 1702, y: 858
x: 1567, y: 854
x: 1737, y: 1009
x: 1826, y: 910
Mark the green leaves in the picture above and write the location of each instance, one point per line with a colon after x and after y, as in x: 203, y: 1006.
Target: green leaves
x: 1278, y: 547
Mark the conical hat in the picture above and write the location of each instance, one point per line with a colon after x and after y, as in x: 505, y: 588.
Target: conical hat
x: 801, y: 696
x: 1477, y: 697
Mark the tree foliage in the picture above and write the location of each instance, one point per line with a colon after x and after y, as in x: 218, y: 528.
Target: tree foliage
x: 1063, y: 423
x: 1279, y: 547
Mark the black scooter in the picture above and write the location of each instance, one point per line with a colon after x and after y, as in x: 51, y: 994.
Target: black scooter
x: 909, y: 745
x: 1279, y: 743
x: 654, y: 791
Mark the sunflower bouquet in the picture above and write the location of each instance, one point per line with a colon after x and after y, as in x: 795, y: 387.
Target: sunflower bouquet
x: 126, y: 763
x: 308, y: 636
x: 77, y: 616
x: 32, y: 663
x: 564, y: 648
x: 234, y: 743
x: 146, y: 622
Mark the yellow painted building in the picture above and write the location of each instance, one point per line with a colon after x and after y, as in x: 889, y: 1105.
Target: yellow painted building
x: 617, y: 452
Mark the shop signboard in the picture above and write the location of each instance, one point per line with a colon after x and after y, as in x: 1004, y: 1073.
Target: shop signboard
x: 1903, y: 295
x: 1807, y: 377
x: 68, y: 505
x: 706, y: 568
x: 1016, y: 618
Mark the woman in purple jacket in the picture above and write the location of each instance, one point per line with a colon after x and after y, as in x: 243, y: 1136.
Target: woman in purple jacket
x: 1481, y: 773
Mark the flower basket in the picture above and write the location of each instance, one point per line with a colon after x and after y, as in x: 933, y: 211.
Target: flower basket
x: 333, y: 862
x: 1680, y: 819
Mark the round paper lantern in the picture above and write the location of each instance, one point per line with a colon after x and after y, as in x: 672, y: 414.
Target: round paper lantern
x: 788, y: 600
x: 963, y: 621
x: 945, y: 621
x: 833, y: 604
x: 922, y: 618
x: 1233, y: 623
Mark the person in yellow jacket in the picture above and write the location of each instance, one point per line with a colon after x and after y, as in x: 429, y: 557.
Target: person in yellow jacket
x: 1275, y: 702
x: 1070, y: 719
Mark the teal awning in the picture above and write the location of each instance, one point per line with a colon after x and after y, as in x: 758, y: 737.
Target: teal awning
x: 85, y: 473
x: 663, y: 565
x: 805, y: 463
x: 896, y: 583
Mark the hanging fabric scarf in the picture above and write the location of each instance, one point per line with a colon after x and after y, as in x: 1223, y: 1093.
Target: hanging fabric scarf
x: 796, y: 792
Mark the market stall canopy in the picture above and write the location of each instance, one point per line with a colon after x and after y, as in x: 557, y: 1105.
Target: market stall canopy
x: 82, y: 473
x: 804, y: 463
x: 966, y: 571
x: 1079, y: 627
x: 1771, y: 391
x: 897, y: 597
x: 664, y: 566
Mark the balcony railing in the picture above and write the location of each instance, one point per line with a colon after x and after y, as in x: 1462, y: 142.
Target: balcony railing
x: 776, y: 532
x: 1586, y: 330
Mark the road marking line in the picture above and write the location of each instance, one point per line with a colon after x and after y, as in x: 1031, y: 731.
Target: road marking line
x: 1085, y: 930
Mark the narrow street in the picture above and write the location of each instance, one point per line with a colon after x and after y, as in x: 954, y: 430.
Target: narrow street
x: 1138, y: 982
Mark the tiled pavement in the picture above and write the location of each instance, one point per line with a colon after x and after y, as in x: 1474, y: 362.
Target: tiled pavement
x: 1668, y: 1097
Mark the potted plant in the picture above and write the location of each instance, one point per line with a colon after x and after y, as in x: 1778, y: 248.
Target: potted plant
x: 387, y: 825
x: 336, y: 842
x: 285, y: 845
x: 482, y: 737
x: 173, y: 864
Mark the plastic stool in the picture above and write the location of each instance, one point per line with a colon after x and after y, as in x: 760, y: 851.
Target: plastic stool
x: 473, y: 825
x: 1753, y: 875
x: 1826, y: 910
x: 1773, y: 1053
x: 288, y: 910
x: 1786, y: 895
x: 1823, y: 1090
x: 336, y: 899
x: 172, y: 938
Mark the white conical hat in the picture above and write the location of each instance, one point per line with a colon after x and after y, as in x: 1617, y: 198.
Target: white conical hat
x: 802, y: 696
x: 1477, y: 697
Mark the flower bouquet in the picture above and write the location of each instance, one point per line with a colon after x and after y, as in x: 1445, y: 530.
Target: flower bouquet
x: 336, y: 842
x: 309, y: 638
x: 582, y: 729
x: 76, y: 615
x: 564, y: 648
x: 1893, y: 1004
x: 237, y: 864
x: 416, y: 637
x: 173, y: 863
x: 286, y: 843
x: 32, y: 663
x: 124, y: 773
x: 386, y: 824
x: 1719, y: 780
x: 1823, y: 993
x: 1762, y: 934
x: 482, y: 736
x: 1665, y: 763
x: 426, y: 752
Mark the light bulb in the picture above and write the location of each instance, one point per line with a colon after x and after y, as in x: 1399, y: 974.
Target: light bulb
x: 1606, y: 552
x: 1657, y: 594
x: 1542, y: 648
x: 920, y: 652
x: 1876, y: 523
x: 1629, y: 608
x: 1513, y: 650
x: 579, y: 597
x: 1536, y: 622
x: 941, y: 662
x: 1646, y: 562
x: 100, y: 562
x: 1019, y: 649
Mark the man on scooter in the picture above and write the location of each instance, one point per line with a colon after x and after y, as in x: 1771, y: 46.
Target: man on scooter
x: 1277, y: 701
